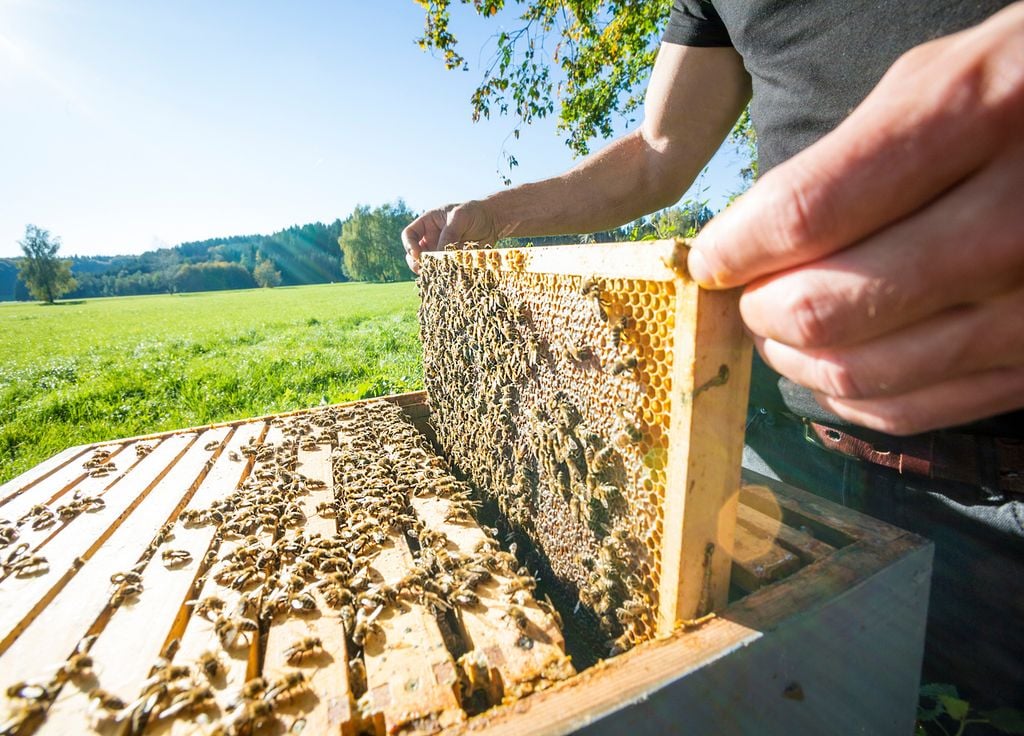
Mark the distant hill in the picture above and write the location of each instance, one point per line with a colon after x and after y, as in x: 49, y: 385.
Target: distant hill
x: 304, y: 254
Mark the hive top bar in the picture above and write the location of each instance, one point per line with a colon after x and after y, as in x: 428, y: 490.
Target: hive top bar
x: 597, y: 395
x: 650, y: 260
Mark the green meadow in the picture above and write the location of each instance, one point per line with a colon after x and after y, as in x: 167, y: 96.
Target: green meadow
x: 99, y: 369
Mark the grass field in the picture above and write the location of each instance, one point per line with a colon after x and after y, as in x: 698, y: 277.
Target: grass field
x: 106, y: 368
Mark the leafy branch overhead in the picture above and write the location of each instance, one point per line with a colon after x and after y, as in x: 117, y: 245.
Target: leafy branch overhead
x: 605, y: 50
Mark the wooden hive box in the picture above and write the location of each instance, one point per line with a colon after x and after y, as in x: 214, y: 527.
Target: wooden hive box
x: 820, y: 611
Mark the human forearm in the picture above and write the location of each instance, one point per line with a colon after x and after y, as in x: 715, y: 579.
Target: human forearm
x: 611, y: 187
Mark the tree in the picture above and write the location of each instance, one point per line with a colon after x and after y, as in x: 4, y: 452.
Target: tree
x: 265, y: 274
x: 371, y: 242
x: 604, y: 50
x: 46, y: 276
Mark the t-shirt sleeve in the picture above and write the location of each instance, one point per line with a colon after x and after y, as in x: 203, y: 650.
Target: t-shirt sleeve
x: 695, y: 23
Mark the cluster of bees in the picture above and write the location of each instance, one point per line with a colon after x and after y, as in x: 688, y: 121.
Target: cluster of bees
x: 262, y: 566
x: 550, y: 393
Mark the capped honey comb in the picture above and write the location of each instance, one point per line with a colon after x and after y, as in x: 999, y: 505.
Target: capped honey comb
x: 595, y: 394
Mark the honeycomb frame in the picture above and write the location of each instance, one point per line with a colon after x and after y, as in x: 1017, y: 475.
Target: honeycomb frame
x: 598, y: 396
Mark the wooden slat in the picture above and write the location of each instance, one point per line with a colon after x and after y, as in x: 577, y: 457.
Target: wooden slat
x: 20, y: 484
x: 326, y: 707
x: 710, y: 383
x: 515, y: 670
x: 22, y: 598
x: 135, y: 635
x: 199, y: 636
x: 758, y: 560
x: 156, y: 490
x: 410, y: 675
x: 55, y: 485
x: 123, y: 460
x: 652, y: 260
x: 800, y: 543
x: 800, y: 508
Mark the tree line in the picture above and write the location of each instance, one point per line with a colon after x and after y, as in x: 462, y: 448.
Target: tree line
x: 366, y: 246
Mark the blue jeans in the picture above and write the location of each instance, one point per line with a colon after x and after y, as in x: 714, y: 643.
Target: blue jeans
x: 975, y: 635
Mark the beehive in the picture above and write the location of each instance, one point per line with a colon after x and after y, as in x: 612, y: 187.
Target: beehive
x: 598, y: 396
x: 824, y: 625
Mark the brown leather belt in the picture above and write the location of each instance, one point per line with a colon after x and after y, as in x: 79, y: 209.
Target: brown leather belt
x: 990, y: 462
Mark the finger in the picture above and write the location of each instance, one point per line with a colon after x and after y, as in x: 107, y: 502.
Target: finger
x: 964, y: 247
x: 946, y: 404
x: 956, y: 343
x: 933, y: 119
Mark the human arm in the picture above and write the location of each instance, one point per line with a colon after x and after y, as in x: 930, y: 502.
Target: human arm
x: 884, y: 265
x: 694, y: 97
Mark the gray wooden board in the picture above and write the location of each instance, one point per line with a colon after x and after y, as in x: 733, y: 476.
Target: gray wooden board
x: 850, y: 665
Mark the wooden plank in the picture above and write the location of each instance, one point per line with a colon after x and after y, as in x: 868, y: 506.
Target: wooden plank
x: 51, y: 488
x: 159, y: 490
x: 758, y: 560
x: 121, y: 462
x: 651, y: 260
x: 410, y: 675
x: 135, y: 635
x: 800, y: 543
x: 799, y: 508
x: 22, y: 599
x: 326, y: 706
x: 517, y: 666
x: 20, y: 484
x: 240, y: 663
x: 710, y: 384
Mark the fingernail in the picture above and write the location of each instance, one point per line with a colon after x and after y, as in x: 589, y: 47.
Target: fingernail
x: 698, y: 268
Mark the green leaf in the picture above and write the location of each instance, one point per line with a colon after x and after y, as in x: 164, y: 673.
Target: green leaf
x: 1007, y: 720
x: 955, y: 707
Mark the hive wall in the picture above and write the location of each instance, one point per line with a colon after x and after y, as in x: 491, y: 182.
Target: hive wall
x: 551, y: 375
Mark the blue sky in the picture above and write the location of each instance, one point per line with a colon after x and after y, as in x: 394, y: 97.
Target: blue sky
x: 129, y: 125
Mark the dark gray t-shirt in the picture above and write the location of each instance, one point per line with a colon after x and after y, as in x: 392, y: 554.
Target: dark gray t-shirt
x: 811, y: 63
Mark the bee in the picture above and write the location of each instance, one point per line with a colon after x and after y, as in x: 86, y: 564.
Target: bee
x: 192, y: 700
x: 623, y: 365
x: 234, y: 631
x: 234, y: 456
x: 205, y: 606
x: 124, y: 593
x: 459, y: 515
x: 31, y: 691
x: 520, y: 582
x: 357, y: 675
x: 24, y: 714
x: 28, y: 566
x: 252, y: 689
x: 212, y: 445
x: 365, y: 629
x: 286, y: 687
x: 591, y: 289
x: 619, y: 645
x: 466, y: 598
x: 579, y: 353
x: 142, y: 449
x: 615, y: 328
x: 78, y: 667
x: 176, y: 557
x: 210, y: 665
x: 517, y: 617
x: 306, y: 647
x: 249, y: 717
